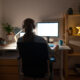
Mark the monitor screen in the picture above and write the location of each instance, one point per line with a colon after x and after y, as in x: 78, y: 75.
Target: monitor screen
x: 22, y: 34
x: 48, y: 29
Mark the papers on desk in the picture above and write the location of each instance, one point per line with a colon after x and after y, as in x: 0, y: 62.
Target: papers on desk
x: 9, y: 48
x: 14, y: 44
x: 64, y: 47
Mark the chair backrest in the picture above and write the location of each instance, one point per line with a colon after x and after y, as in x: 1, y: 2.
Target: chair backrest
x: 34, y: 58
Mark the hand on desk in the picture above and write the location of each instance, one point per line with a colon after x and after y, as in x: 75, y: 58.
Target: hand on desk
x: 56, y: 48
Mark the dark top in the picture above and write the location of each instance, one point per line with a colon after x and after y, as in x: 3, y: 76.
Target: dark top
x: 38, y: 39
x: 34, y: 56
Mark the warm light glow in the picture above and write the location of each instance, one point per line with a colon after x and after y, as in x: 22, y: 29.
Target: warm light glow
x: 78, y: 29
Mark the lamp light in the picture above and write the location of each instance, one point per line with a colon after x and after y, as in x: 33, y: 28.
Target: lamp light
x: 78, y: 27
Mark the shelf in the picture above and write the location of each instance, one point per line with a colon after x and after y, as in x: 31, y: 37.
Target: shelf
x: 73, y: 77
x: 71, y: 72
x: 73, y: 40
x: 76, y: 35
x: 74, y: 15
x: 74, y: 54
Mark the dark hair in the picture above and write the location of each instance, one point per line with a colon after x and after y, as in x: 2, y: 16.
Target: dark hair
x: 28, y: 26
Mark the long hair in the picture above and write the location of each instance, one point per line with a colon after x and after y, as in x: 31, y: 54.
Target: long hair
x: 28, y: 26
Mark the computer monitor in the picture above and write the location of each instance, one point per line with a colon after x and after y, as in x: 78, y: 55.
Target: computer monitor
x: 48, y: 29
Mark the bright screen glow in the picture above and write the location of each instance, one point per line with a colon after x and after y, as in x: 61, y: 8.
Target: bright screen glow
x: 22, y: 34
x: 47, y: 29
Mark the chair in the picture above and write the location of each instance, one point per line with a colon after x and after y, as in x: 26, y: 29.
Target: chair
x: 34, y: 59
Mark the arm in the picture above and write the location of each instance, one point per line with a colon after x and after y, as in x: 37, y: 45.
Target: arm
x: 56, y: 48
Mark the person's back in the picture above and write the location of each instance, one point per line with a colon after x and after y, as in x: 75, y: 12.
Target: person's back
x: 31, y: 43
x: 34, y: 58
x: 36, y: 38
x: 29, y: 35
x: 28, y: 26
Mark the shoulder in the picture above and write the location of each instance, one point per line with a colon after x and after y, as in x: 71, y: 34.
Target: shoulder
x: 39, y: 39
x: 20, y: 39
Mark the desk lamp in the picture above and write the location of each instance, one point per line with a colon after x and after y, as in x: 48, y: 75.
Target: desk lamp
x: 17, y: 32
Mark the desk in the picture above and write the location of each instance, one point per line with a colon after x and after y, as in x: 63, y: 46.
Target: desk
x: 62, y: 49
x: 9, y: 63
x: 9, y: 67
x: 12, y: 46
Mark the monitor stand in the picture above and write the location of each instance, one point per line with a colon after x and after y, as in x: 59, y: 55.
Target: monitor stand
x: 48, y: 39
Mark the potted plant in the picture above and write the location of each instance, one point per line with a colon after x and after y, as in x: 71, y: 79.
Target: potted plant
x: 9, y: 30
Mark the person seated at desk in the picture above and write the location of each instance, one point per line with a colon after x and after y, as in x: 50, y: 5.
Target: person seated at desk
x: 30, y: 36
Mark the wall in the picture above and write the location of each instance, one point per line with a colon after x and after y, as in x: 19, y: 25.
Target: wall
x: 15, y: 11
x: 40, y: 10
x: 0, y: 17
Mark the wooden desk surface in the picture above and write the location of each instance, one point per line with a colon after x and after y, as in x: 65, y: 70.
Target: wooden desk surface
x: 10, y: 46
x: 63, y: 47
x: 13, y: 46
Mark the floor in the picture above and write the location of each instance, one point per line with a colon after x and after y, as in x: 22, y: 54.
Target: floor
x: 55, y: 77
x: 74, y: 78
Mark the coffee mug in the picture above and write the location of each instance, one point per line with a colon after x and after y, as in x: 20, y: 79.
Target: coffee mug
x: 60, y: 42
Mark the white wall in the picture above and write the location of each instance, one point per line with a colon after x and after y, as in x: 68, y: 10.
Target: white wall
x: 0, y: 17
x: 15, y: 11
